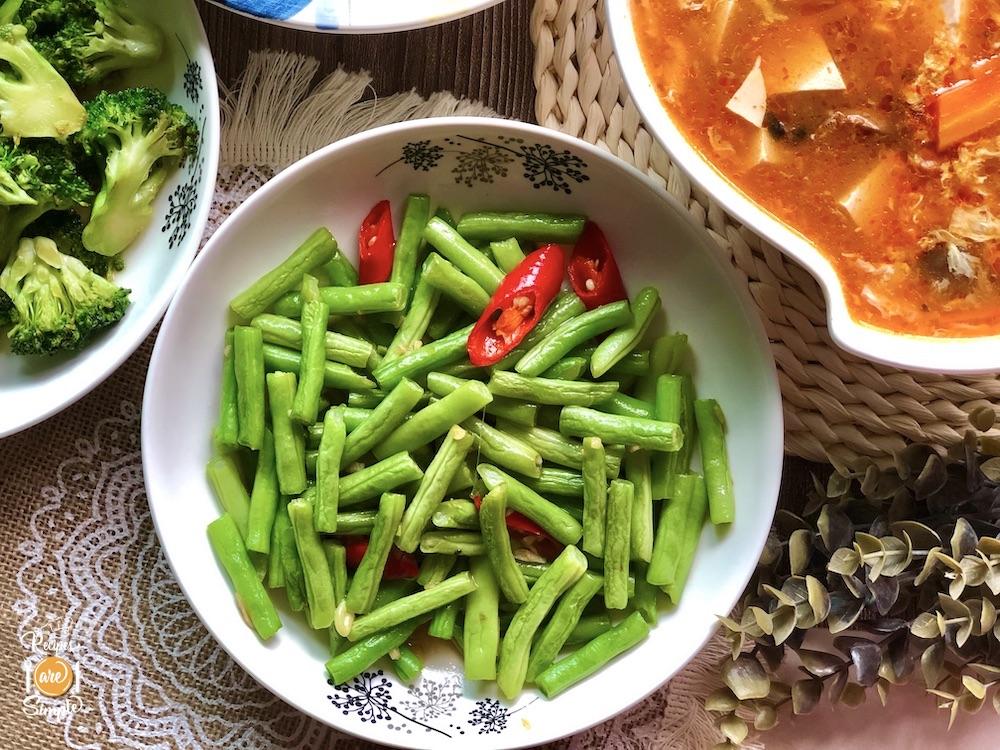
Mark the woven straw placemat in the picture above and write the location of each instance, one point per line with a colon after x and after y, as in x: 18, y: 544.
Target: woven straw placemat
x: 837, y: 407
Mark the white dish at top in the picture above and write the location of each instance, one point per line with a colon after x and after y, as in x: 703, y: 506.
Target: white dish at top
x: 462, y: 163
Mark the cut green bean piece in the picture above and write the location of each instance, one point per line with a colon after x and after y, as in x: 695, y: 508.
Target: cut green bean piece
x: 409, y: 336
x: 224, y: 476
x: 467, y: 258
x: 528, y: 227
x: 312, y: 362
x: 372, y: 481
x: 571, y: 334
x: 464, y: 543
x: 359, y: 656
x: 340, y: 270
x: 442, y: 625
x: 456, y: 514
x: 670, y: 532
x: 514, y: 651
x: 715, y: 460
x: 251, y: 597
x: 463, y: 290
x: 555, y: 520
x: 368, y: 576
x: 481, y: 631
x: 384, y: 419
x: 641, y: 533
x: 697, y: 514
x: 645, y: 600
x: 411, y: 234
x: 557, y: 449
x: 386, y: 297
x: 595, y: 496
x: 428, y: 358
x: 348, y: 350
x: 518, y: 412
x: 407, y: 665
x: 550, y: 392
x: 335, y: 375
x: 634, y: 363
x: 412, y: 606
x: 275, y: 575
x: 561, y: 624
x: 263, y: 499
x: 434, y: 569
x: 569, y: 368
x: 564, y: 307
x: 291, y: 563
x: 315, y: 568
x: 558, y: 482
x: 588, y: 628
x: 228, y: 427
x: 336, y: 558
x: 436, y: 419
x: 617, y: 536
x: 588, y: 659
x: 496, y: 537
x: 622, y: 341
x: 666, y: 357
x: 668, y: 407
x: 356, y: 523
x: 650, y: 434
x: 432, y: 489
x: 503, y: 449
x: 507, y: 254
x: 318, y: 249
x: 248, y: 352
x: 446, y: 317
x: 463, y: 479
x: 328, y: 460
x: 289, y: 442
x: 626, y: 406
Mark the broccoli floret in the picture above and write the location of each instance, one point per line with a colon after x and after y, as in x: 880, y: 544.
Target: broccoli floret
x: 65, y: 228
x: 17, y: 173
x: 35, y: 101
x: 85, y: 50
x: 43, y: 17
x: 144, y: 138
x: 58, y: 302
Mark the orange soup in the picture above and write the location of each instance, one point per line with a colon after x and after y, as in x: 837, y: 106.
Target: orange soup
x: 871, y: 127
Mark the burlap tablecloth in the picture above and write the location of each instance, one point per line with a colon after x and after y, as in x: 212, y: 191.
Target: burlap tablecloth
x: 82, y: 571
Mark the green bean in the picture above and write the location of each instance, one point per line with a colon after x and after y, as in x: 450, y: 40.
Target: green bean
x: 558, y: 482
x: 446, y: 317
x: 641, y: 533
x: 312, y: 362
x: 617, y: 536
x: 336, y: 558
x: 224, y: 476
x: 666, y: 357
x: 412, y: 606
x: 411, y: 233
x: 291, y: 563
x: 513, y: 664
x: 514, y: 411
x: 622, y: 341
x: 341, y: 271
x: 351, y: 327
x: 228, y: 427
x: 248, y: 361
x: 275, y: 566
x: 589, y: 627
x: 356, y: 523
x: 457, y: 286
x: 633, y: 363
x: 564, y: 307
x: 650, y: 434
x: 411, y: 331
x: 464, y: 543
x: 434, y: 569
x: 463, y: 370
x: 315, y: 568
x: 384, y: 419
x: 626, y: 406
x: 571, y: 334
x: 712, y: 437
x: 428, y: 358
x: 251, y: 597
x: 645, y: 600
x: 550, y: 392
x: 361, y: 655
x: 560, y: 626
x: 445, y: 215
x: 436, y: 419
x: 496, y: 537
x: 481, y: 633
x: 668, y: 407
x: 407, y: 665
x: 507, y: 254
x: 589, y: 658
x: 469, y: 260
x: 569, y: 368
x: 286, y: 332
x: 528, y: 227
x: 503, y: 449
x: 432, y: 489
x: 391, y: 591
x: 673, y: 535
x: 327, y: 472
x: 456, y: 514
x: 556, y: 521
x: 335, y: 375
x: 463, y: 479
x: 263, y: 499
x: 318, y: 249
x: 372, y: 481
x: 443, y: 623
x: 557, y: 449
x: 289, y: 443
x: 350, y: 300
x: 595, y: 493
x: 365, y: 584
x: 531, y: 571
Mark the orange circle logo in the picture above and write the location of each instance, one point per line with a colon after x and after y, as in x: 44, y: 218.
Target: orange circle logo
x: 53, y: 676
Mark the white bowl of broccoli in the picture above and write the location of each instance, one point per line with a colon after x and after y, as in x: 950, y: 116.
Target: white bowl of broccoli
x: 109, y: 136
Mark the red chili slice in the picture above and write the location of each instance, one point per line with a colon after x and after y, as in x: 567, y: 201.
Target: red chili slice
x: 376, y: 245
x: 593, y: 271
x: 399, y: 564
x: 517, y: 305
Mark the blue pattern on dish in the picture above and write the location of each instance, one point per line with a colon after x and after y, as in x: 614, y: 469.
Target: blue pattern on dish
x: 326, y: 14
x: 277, y: 9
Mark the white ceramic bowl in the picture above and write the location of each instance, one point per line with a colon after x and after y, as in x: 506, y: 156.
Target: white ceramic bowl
x: 34, y: 388
x: 463, y: 163
x: 951, y: 355
x: 354, y: 17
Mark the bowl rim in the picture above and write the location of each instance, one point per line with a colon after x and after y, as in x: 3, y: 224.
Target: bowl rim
x: 958, y: 356
x: 163, y: 295
x: 774, y: 442
x: 472, y: 7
